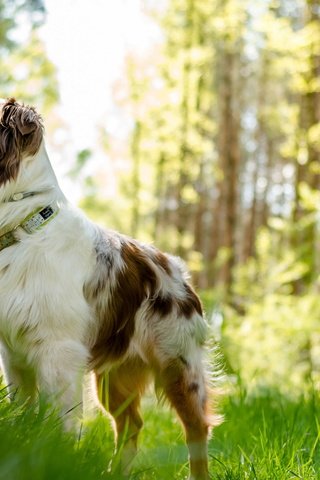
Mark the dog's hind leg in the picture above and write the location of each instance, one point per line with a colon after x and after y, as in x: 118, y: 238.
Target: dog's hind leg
x: 183, y: 382
x: 127, y: 383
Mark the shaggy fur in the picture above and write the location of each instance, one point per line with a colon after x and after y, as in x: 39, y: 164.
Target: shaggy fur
x: 76, y: 298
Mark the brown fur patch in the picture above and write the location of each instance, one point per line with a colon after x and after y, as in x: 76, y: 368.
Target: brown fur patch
x: 161, y: 260
x: 134, y: 283
x: 162, y: 305
x: 127, y: 383
x: 183, y: 393
x: 117, y: 295
x: 21, y: 132
x: 190, y: 303
x: 194, y: 388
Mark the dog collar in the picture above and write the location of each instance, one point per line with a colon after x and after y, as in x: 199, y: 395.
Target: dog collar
x: 21, y: 195
x: 33, y: 222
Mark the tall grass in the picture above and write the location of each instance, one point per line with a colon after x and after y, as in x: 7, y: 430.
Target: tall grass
x: 267, y: 437
x: 263, y: 437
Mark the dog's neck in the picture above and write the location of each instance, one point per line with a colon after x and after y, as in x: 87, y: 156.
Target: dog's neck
x: 35, y: 186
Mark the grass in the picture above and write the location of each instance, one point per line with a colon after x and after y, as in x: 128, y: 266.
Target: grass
x: 263, y: 437
x: 268, y: 437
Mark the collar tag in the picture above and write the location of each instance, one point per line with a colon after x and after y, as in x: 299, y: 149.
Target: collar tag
x: 39, y: 218
x: 30, y: 224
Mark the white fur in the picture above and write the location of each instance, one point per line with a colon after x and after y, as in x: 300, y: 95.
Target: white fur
x: 49, y: 326
x: 44, y: 317
x: 41, y: 292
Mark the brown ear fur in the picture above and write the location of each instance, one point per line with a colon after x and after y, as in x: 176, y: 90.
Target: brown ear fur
x: 21, y: 132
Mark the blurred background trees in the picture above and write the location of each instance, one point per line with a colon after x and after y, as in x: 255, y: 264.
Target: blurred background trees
x: 220, y: 163
x: 25, y: 70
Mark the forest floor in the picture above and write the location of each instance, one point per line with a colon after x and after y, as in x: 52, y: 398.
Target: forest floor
x: 262, y: 437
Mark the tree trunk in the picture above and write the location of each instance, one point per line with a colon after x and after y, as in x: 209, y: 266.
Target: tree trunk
x: 159, y: 190
x: 230, y: 156
x: 136, y: 183
x: 199, y: 244
x: 307, y: 169
x: 182, y: 214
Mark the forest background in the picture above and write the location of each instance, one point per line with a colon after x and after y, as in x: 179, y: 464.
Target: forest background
x: 210, y: 149
x: 217, y: 160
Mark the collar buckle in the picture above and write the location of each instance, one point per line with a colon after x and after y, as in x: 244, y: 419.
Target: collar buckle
x: 17, y: 196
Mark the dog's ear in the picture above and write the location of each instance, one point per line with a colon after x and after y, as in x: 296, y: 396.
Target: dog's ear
x: 25, y: 125
x: 21, y: 132
x: 27, y: 120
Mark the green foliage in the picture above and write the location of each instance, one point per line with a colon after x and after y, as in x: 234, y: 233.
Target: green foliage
x: 276, y: 343
x: 99, y: 209
x: 33, y: 445
x: 263, y: 437
x: 274, y: 268
x: 82, y: 159
x: 267, y: 437
x: 272, y: 337
x: 25, y: 70
x: 33, y: 75
x: 172, y: 188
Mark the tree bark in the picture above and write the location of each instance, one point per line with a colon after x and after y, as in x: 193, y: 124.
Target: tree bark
x: 230, y: 156
x: 136, y: 182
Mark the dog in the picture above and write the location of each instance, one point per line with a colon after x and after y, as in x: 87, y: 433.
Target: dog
x: 77, y: 298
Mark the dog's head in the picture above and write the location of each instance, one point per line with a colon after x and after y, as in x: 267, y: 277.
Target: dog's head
x: 21, y: 132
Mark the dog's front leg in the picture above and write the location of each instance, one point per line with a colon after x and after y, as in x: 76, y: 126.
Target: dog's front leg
x: 60, y: 372
x: 19, y: 377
